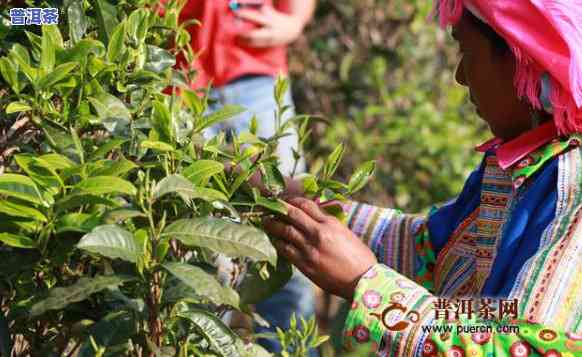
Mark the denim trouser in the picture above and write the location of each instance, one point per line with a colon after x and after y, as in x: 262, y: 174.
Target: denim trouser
x: 256, y: 94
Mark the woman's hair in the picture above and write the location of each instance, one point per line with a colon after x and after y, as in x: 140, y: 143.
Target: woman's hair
x: 499, y: 44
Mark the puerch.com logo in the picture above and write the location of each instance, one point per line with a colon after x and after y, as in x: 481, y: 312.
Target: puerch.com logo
x: 407, y: 316
x: 398, y: 317
x: 34, y: 16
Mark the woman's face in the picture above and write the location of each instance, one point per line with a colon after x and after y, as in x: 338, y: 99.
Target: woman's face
x: 488, y: 73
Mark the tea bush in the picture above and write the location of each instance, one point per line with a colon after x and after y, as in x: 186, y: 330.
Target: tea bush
x: 115, y: 210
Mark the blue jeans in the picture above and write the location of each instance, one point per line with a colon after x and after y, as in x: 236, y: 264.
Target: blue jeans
x: 256, y: 94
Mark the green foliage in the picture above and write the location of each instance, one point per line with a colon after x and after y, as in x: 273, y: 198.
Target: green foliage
x: 220, y: 339
x: 264, y: 280
x: 112, y: 203
x: 386, y: 84
x: 59, y: 298
x: 223, y: 237
x: 299, y: 338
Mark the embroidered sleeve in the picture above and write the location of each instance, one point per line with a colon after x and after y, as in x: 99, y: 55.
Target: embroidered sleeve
x: 392, y: 316
x: 400, y: 241
x: 409, y: 243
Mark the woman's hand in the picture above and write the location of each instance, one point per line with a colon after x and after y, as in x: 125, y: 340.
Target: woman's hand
x: 277, y: 28
x: 321, y: 247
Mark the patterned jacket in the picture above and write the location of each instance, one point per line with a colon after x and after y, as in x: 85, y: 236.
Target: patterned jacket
x: 495, y: 272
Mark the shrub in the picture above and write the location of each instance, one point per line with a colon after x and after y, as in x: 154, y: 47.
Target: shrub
x: 114, y: 208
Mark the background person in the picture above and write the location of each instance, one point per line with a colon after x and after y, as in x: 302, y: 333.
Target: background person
x: 512, y: 235
x: 242, y: 48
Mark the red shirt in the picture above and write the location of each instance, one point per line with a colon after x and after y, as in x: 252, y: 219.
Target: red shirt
x: 223, y: 57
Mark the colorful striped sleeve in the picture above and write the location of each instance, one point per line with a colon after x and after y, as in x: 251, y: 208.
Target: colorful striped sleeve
x: 400, y: 241
x: 410, y: 243
x: 393, y: 316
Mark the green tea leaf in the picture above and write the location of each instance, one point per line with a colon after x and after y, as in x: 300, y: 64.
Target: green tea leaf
x: 248, y: 138
x: 101, y: 185
x: 106, y: 18
x: 21, y: 53
x: 107, y: 147
x: 40, y: 172
x: 77, y: 222
x: 157, y: 145
x: 115, y: 329
x: 281, y: 88
x: 176, y: 291
x: 335, y: 209
x: 193, y: 102
x: 223, y: 114
x: 158, y: 59
x: 17, y: 210
x: 77, y: 21
x: 116, y: 45
x: 115, y: 168
x: 309, y: 183
x: 222, y: 341
x: 20, y: 56
x: 360, y: 178
x: 47, y: 56
x: 200, y: 172
x: 54, y: 35
x: 17, y: 241
x: 329, y: 195
x: 333, y: 185
x: 55, y: 76
x: 21, y: 187
x: 59, y: 298
x: 82, y: 199
x: 240, y: 179
x: 320, y: 340
x: 16, y: 107
x: 112, y: 113
x: 333, y: 162
x: 250, y: 152
x: 81, y: 51
x: 78, y: 144
x: 253, y: 126
x: 142, y: 77
x: 186, y: 190
x: 120, y: 215
x: 35, y: 43
x: 57, y: 162
x: 162, y: 121
x: 8, y: 70
x: 254, y: 288
x: 112, y: 242
x: 203, y: 284
x: 273, y: 204
x: 272, y: 177
x: 137, y: 27
x: 221, y: 236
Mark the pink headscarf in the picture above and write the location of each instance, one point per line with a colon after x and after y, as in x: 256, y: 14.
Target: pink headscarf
x: 546, y: 38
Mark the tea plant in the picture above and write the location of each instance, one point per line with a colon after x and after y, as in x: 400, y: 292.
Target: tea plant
x: 298, y: 340
x: 123, y: 230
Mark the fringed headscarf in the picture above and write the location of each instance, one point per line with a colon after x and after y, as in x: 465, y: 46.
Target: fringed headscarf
x: 546, y: 38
